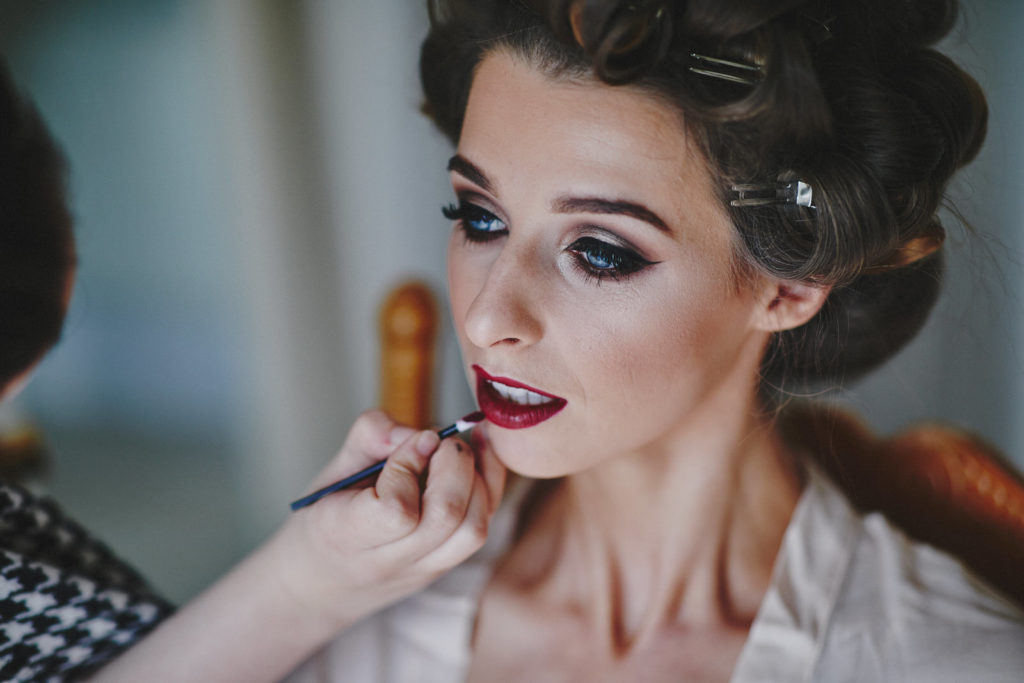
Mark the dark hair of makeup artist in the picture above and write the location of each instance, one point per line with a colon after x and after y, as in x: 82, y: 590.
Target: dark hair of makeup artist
x: 37, y: 254
x: 853, y: 101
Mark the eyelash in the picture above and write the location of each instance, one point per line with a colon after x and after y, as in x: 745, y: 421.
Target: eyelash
x: 617, y: 262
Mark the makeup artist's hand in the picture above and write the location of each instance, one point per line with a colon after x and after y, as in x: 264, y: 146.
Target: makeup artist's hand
x: 349, y: 555
x: 357, y: 551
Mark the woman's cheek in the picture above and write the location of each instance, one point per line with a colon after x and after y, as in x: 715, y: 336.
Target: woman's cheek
x: 460, y: 287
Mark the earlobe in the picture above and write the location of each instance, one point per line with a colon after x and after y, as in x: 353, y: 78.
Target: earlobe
x: 787, y: 304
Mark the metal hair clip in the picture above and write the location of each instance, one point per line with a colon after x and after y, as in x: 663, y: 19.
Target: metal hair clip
x: 818, y: 29
x: 726, y: 70
x: 642, y: 5
x: 794, y: 192
x: 816, y: 19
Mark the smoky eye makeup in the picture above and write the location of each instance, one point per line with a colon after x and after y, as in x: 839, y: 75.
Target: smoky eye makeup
x: 599, y: 259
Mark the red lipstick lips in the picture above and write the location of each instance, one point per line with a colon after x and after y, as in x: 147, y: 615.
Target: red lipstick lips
x: 512, y: 404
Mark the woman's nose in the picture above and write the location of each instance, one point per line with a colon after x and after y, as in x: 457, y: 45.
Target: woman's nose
x: 506, y: 309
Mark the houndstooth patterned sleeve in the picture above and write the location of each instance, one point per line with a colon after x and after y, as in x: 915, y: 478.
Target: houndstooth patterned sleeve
x: 67, y: 604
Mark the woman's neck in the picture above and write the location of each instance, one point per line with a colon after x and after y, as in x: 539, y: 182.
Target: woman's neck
x: 685, y: 533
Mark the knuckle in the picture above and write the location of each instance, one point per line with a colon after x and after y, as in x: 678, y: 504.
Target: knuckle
x: 477, y: 531
x: 371, y: 432
x: 371, y: 420
x: 399, y: 516
x: 448, y: 512
x: 363, y: 428
x: 402, y: 470
x: 452, y: 509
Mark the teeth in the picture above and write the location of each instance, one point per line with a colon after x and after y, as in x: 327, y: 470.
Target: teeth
x: 523, y: 397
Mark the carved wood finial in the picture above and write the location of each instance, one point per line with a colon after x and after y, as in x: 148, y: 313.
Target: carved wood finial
x: 408, y: 331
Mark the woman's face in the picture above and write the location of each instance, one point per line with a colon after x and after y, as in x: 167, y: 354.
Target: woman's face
x: 591, y: 263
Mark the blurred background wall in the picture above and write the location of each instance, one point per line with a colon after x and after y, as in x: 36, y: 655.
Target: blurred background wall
x: 250, y: 178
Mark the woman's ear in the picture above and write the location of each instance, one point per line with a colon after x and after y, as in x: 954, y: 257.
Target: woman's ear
x: 786, y: 304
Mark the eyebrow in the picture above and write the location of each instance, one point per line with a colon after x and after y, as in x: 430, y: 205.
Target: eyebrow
x: 464, y: 167
x: 566, y: 204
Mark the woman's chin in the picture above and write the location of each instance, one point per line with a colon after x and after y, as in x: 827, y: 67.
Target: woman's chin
x: 532, y: 460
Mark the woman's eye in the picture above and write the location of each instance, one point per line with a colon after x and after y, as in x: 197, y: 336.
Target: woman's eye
x: 601, y: 259
x: 478, y: 224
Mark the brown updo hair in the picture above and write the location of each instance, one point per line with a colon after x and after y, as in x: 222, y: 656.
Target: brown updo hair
x: 850, y: 98
x: 37, y: 254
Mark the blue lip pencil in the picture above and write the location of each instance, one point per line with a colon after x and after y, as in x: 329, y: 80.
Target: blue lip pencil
x: 466, y: 423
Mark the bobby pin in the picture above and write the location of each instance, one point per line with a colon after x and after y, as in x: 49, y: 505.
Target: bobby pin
x: 763, y: 194
x: 726, y: 70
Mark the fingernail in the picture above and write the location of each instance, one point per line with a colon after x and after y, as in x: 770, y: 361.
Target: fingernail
x: 399, y: 434
x: 427, y: 443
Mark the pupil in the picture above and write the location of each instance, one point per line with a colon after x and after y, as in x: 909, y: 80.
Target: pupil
x: 600, y: 259
x: 478, y: 220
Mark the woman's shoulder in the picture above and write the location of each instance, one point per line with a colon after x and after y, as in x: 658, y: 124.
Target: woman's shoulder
x: 888, y: 567
x: 942, y: 486
x: 854, y: 598
x: 909, y: 611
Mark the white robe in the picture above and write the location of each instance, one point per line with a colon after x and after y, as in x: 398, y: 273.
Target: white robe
x: 852, y: 599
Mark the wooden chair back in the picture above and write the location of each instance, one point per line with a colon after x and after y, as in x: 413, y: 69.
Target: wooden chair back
x: 408, y: 337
